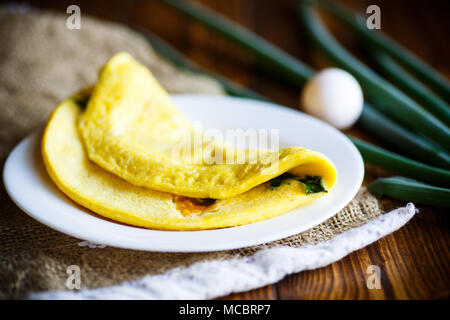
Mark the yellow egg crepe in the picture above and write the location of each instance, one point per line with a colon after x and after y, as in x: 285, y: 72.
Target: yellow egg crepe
x: 117, y: 158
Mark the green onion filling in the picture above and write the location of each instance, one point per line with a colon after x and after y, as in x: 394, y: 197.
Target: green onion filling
x: 312, y: 184
x: 81, y: 100
x: 204, y: 202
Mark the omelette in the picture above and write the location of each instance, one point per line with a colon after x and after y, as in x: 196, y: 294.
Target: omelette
x: 123, y: 150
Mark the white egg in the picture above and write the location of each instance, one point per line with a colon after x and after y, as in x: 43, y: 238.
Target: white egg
x: 335, y: 96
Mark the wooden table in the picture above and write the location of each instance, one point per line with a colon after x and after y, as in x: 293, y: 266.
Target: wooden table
x: 414, y: 261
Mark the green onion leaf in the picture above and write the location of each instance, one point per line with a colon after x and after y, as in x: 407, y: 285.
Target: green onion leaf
x: 382, y: 127
x: 402, y: 188
x: 277, y: 181
x: 81, y: 100
x: 180, y: 61
x: 205, y: 201
x: 413, y: 88
x: 268, y: 55
x: 402, y: 165
x: 313, y: 184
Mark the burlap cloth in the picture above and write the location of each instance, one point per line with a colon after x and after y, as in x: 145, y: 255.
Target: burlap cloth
x: 41, y: 62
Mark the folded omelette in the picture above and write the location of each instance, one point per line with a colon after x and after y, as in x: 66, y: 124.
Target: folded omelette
x: 123, y: 150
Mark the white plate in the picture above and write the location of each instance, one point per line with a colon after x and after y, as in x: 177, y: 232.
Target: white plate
x: 28, y: 184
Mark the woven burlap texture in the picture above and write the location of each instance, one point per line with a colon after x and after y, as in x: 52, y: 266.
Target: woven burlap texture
x: 41, y: 63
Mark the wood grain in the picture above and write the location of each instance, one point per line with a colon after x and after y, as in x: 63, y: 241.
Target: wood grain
x: 414, y: 261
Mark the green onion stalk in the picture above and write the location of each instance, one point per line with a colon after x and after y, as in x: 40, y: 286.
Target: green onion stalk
x: 269, y: 56
x: 401, y: 107
x: 178, y: 60
x: 402, y: 165
x: 414, y: 88
x: 402, y: 188
x: 411, y: 144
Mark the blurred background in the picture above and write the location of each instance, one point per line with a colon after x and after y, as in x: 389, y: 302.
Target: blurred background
x: 421, y: 26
